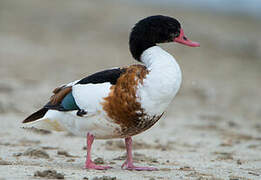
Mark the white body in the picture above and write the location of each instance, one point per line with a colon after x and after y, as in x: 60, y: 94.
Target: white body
x: 155, y: 94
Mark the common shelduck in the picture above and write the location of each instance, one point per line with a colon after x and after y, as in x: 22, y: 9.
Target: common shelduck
x: 120, y: 102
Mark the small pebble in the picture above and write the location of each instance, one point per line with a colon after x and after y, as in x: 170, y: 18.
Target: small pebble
x: 17, y: 154
x: 253, y: 173
x: 239, y: 162
x: 186, y: 168
x: 49, y: 174
x: 39, y: 153
x: 98, y: 161
x: 64, y: 153
x: 3, y: 162
x: 104, y: 178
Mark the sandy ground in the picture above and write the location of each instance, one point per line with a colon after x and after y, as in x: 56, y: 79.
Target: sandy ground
x: 211, y: 130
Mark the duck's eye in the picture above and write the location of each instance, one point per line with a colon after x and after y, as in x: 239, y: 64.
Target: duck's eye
x: 174, y: 35
x: 177, y: 34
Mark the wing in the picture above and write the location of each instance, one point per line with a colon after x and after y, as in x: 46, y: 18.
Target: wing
x: 64, y: 98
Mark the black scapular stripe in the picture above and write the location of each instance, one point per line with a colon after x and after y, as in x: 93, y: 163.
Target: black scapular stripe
x: 110, y: 75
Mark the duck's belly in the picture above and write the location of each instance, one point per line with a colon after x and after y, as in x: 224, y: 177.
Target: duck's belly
x: 97, y: 124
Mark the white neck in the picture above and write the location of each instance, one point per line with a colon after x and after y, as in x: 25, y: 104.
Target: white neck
x: 162, y: 83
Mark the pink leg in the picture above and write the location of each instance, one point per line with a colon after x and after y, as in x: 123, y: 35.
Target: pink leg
x: 89, y: 164
x: 129, y: 161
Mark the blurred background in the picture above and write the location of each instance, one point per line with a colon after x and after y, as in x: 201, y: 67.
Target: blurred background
x: 46, y: 43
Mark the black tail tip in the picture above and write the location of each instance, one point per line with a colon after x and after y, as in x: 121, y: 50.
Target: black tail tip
x: 37, y: 115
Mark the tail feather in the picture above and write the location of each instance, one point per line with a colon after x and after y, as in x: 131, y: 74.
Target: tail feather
x: 37, y: 115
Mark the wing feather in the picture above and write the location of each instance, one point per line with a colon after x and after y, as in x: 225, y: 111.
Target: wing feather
x: 63, y: 98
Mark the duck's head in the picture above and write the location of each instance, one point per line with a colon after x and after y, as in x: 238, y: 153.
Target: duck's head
x: 154, y: 30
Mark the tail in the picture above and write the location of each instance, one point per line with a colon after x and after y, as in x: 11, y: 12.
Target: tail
x: 37, y: 115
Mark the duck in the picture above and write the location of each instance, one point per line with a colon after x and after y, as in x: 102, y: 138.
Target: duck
x: 120, y: 102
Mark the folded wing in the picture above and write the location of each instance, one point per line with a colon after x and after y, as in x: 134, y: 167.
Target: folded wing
x: 81, y: 94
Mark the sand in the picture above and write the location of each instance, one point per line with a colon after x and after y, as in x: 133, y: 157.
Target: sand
x: 210, y: 131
